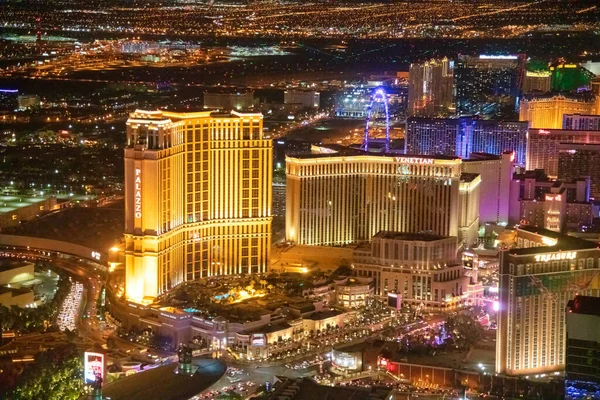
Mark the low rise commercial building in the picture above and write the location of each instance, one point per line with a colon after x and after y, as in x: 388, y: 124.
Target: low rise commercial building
x: 12, y: 275
x: 425, y: 270
x: 16, y: 209
x: 28, y: 101
x: 353, y: 292
x: 16, y: 297
x: 305, y: 98
x: 249, y: 332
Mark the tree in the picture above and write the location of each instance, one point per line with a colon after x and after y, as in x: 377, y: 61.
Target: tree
x: 464, y: 329
x: 56, y: 374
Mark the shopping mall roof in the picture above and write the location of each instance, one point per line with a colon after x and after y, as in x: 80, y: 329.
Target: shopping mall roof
x: 6, y: 264
x: 269, y: 328
x: 12, y: 203
x: 563, y: 242
x: 163, y: 383
x: 321, y: 315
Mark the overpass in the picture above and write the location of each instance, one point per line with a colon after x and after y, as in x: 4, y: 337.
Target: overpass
x: 28, y: 243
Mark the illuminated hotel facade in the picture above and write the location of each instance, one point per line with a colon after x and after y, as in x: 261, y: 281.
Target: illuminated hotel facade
x: 543, y: 147
x: 537, y: 280
x: 197, y: 198
x: 337, y: 196
x: 548, y: 112
x: 430, y: 87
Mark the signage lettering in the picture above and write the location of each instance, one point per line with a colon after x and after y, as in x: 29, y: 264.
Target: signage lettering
x: 567, y: 255
x: 414, y: 160
x: 138, y: 193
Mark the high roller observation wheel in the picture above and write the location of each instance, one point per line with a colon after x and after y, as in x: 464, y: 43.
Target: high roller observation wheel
x: 379, y: 94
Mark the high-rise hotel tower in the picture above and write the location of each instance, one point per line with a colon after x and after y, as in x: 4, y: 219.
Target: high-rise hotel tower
x: 538, y: 278
x: 338, y: 195
x: 197, y: 198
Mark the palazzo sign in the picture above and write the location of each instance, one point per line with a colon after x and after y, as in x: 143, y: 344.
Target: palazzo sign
x: 138, y: 193
x: 567, y: 255
x: 414, y: 160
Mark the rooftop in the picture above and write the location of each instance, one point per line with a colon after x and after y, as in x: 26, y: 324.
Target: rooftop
x: 478, y: 156
x: 351, y: 348
x: 94, y: 227
x: 163, y: 383
x: 271, y: 328
x: 337, y: 150
x: 240, y: 312
x: 11, y: 203
x: 303, y: 307
x: 354, y: 281
x: 6, y: 264
x: 468, y: 177
x: 320, y: 315
x: 564, y: 242
x: 14, y: 291
x: 160, y: 115
x: 585, y: 305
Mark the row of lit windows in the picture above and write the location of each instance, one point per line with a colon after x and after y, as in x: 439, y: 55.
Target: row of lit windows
x: 348, y: 168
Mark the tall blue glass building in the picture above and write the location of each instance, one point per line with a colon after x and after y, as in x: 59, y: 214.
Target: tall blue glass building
x: 462, y: 136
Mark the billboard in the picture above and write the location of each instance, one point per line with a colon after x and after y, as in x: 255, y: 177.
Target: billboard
x: 347, y: 360
x: 258, y: 339
x: 93, y: 367
x: 394, y: 301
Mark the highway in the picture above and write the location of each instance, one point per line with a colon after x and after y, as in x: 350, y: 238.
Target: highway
x: 84, y: 275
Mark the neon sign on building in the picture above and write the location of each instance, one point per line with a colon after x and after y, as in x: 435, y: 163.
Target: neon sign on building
x: 138, y: 193
x: 414, y: 160
x: 93, y: 367
x: 567, y: 255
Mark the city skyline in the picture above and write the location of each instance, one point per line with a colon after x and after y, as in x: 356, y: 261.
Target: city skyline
x: 299, y: 200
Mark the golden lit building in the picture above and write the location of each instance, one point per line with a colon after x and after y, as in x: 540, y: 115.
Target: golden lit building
x: 197, y: 198
x: 537, y: 81
x: 423, y: 270
x: 338, y: 195
x: 548, y: 112
x: 537, y: 280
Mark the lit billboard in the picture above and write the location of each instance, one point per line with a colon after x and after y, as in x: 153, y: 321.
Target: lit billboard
x: 93, y: 366
x: 258, y: 340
